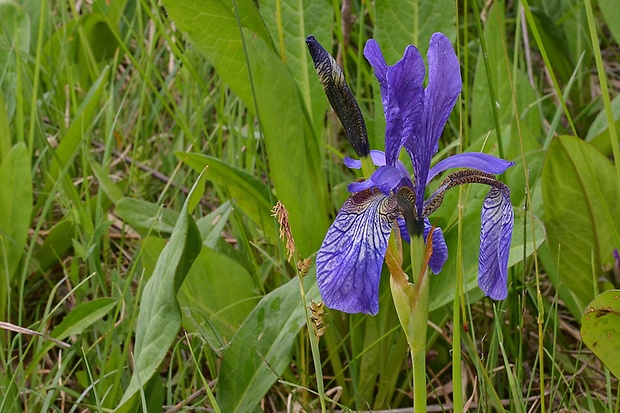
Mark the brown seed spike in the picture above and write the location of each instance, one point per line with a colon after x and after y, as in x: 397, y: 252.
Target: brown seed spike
x: 280, y: 212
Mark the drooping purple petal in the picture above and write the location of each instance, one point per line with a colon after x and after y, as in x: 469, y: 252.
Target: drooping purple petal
x: 474, y: 160
x: 350, y: 259
x: 495, y: 237
x: 440, y: 248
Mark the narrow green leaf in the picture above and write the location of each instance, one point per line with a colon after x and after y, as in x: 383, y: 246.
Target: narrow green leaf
x: 482, y: 107
x: 83, y: 316
x: 598, y: 133
x: 262, y: 348
x: 80, y: 124
x: 581, y: 198
x: 16, y: 206
x: 249, y: 193
x: 600, y: 328
x: 108, y: 186
x: 212, y: 225
x: 159, y: 319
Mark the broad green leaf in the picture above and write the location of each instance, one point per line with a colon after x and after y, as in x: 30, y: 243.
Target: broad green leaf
x: 600, y: 328
x: 249, y: 193
x: 262, y: 348
x: 219, y: 291
x: 83, y: 316
x: 482, y: 107
x: 399, y: 24
x: 146, y: 216
x: 581, y: 195
x: 16, y: 206
x: 159, y: 319
x: 295, y: 159
x: 609, y: 12
x: 57, y: 242
x: 5, y: 130
x: 289, y: 22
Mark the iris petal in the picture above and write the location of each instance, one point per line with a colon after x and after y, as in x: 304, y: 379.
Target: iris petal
x: 444, y: 86
x: 350, y: 259
x: 495, y: 236
x: 474, y: 160
x: 405, y: 101
x: 386, y: 178
x: 440, y: 248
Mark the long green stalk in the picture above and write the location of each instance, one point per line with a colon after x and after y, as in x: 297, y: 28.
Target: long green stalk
x: 420, y: 323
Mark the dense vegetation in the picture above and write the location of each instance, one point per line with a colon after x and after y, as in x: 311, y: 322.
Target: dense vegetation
x: 144, y: 145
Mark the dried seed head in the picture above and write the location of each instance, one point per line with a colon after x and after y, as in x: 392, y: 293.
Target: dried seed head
x: 280, y: 212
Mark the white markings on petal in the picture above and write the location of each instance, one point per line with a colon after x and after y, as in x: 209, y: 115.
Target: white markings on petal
x: 495, y: 237
x: 350, y: 259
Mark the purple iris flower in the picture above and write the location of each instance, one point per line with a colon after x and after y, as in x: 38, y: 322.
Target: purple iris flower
x: 350, y: 259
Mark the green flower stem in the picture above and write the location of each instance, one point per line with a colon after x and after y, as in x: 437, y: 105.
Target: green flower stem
x: 419, y: 322
x: 367, y: 166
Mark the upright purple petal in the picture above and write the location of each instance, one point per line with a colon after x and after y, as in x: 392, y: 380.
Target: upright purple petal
x: 495, y: 237
x: 473, y: 160
x: 405, y: 101
x: 444, y: 86
x: 372, y: 53
x: 440, y: 249
x: 349, y: 261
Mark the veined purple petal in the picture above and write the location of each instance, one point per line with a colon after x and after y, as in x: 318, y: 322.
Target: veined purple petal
x: 474, y: 160
x: 440, y: 249
x: 372, y: 53
x: 444, y: 86
x: 495, y: 237
x: 350, y: 259
x: 404, y: 103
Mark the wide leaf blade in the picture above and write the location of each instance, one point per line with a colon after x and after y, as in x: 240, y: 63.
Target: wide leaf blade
x: 581, y: 198
x: 600, y: 328
x: 160, y: 316
x: 262, y: 348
